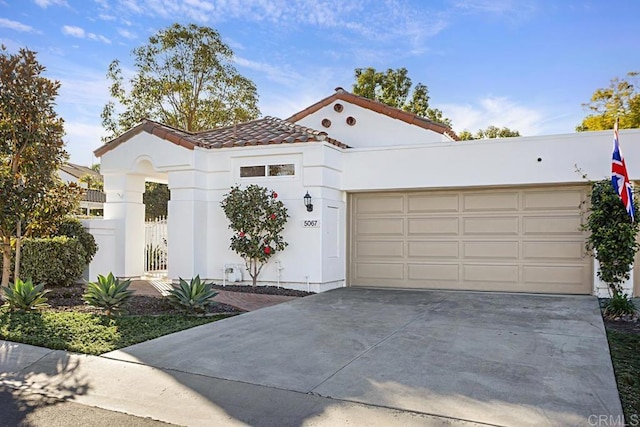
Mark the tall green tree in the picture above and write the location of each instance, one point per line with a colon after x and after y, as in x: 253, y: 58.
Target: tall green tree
x: 488, y: 133
x: 32, y: 196
x: 184, y: 78
x: 621, y: 99
x: 155, y: 198
x: 393, y: 88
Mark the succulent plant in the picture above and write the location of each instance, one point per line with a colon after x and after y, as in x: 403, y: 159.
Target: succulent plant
x: 193, y: 296
x: 108, y: 293
x: 25, y: 296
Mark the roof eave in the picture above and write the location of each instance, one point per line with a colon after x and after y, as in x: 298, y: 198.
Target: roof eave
x: 150, y: 127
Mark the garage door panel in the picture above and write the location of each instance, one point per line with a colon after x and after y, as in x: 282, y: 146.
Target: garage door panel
x: 434, y: 272
x: 433, y: 226
x: 491, y: 249
x: 490, y: 273
x: 491, y: 225
x: 380, y: 204
x: 558, y: 274
x: 380, y: 227
x: 380, y: 248
x: 554, y: 250
x: 513, y: 239
x: 490, y: 202
x: 428, y: 203
x: 388, y: 271
x: 553, y: 200
x: 552, y: 225
x: 434, y: 249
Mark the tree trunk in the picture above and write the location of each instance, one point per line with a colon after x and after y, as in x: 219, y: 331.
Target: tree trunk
x: 254, y: 276
x: 6, y: 260
x: 16, y: 271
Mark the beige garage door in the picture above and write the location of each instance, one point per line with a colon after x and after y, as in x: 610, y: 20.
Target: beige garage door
x: 521, y: 240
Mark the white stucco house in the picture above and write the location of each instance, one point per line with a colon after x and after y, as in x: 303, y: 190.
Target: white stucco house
x: 397, y: 200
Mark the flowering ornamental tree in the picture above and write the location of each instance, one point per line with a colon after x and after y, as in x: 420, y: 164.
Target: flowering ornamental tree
x: 257, y: 219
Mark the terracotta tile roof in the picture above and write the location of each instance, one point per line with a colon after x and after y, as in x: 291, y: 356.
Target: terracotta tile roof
x: 378, y: 107
x: 265, y: 131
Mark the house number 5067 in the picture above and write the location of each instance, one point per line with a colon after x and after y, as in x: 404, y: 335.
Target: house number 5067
x: 310, y: 223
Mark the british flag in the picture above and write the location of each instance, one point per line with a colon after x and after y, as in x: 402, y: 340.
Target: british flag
x: 619, y: 175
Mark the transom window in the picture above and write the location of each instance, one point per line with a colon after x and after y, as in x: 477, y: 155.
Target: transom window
x: 288, y: 169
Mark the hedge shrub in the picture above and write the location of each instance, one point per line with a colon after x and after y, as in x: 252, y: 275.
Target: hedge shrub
x: 72, y: 227
x: 53, y: 261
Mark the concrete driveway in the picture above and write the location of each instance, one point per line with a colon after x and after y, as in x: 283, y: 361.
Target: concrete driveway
x: 499, y: 359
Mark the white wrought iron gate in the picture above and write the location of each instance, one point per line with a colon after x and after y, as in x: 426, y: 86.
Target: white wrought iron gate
x: 156, y: 249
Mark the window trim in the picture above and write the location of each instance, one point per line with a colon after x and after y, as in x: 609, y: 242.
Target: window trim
x: 267, y: 167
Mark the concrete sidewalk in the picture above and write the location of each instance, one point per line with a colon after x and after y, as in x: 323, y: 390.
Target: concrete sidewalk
x: 179, y: 397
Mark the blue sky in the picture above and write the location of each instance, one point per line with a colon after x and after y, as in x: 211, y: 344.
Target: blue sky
x: 525, y: 64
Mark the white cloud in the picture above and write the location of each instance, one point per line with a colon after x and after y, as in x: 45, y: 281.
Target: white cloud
x: 70, y: 30
x: 495, y: 111
x: 391, y: 20
x: 80, y: 33
x: 511, y: 10
x: 127, y: 34
x: 15, y: 25
x: 47, y: 3
x: 282, y: 75
x: 106, y: 17
x: 98, y: 37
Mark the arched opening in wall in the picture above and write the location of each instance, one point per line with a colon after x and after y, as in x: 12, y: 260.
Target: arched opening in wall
x: 156, y: 221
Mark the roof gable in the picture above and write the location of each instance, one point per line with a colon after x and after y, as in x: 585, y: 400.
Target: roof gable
x: 377, y: 107
x: 264, y: 131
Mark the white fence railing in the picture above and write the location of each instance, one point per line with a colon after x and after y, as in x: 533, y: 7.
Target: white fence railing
x: 156, y: 249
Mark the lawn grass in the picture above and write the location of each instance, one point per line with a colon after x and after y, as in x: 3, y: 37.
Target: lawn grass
x: 625, y: 355
x: 90, y: 333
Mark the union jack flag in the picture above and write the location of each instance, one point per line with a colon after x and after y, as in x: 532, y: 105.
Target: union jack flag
x: 619, y: 175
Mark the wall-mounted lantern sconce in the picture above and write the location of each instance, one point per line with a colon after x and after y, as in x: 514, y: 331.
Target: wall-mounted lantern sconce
x: 307, y: 202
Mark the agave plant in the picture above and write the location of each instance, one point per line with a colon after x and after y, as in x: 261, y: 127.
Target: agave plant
x: 108, y: 293
x: 194, y: 296
x: 25, y: 296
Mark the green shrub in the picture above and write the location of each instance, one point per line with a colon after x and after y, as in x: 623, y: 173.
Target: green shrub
x: 72, y: 227
x: 194, y: 296
x: 619, y: 305
x: 612, y: 238
x: 108, y: 293
x: 24, y: 296
x: 52, y: 261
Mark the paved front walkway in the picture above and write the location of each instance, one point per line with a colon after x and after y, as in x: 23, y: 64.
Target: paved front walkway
x: 242, y: 300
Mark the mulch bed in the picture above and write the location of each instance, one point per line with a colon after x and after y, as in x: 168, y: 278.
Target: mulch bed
x: 627, y: 324
x: 264, y: 290
x: 628, y: 327
x: 70, y: 299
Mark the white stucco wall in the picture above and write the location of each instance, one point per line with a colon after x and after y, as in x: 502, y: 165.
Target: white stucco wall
x: 370, y: 130
x: 317, y: 256
x: 508, y: 161
x: 305, y: 260
x: 104, y: 232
